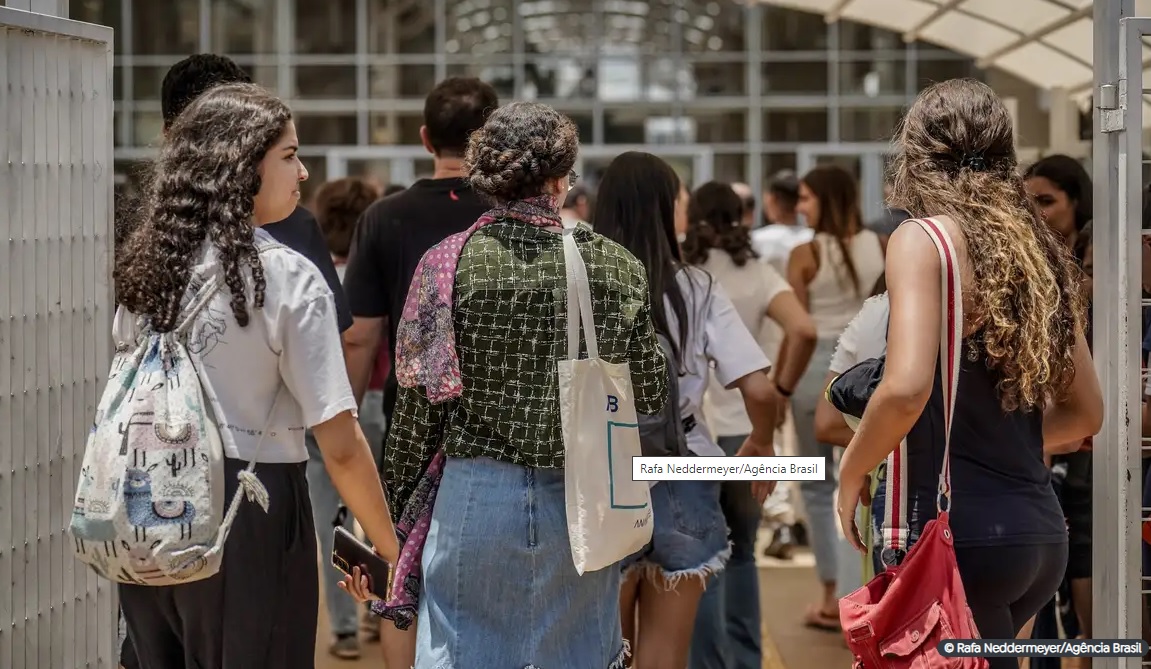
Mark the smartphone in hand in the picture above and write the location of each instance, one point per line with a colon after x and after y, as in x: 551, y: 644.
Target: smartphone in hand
x: 349, y: 552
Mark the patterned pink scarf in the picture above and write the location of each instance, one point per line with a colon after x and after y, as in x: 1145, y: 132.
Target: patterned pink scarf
x: 426, y: 357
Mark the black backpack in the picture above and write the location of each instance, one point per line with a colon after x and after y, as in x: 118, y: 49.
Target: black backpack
x: 664, y: 434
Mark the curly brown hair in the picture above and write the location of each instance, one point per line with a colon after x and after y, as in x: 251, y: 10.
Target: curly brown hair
x: 338, y: 206
x: 522, y: 147
x: 955, y: 156
x: 201, y: 187
x: 715, y: 221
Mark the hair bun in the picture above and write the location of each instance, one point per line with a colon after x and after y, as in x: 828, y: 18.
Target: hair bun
x: 522, y: 146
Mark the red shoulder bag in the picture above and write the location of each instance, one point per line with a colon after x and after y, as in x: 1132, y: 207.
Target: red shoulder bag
x: 897, y: 620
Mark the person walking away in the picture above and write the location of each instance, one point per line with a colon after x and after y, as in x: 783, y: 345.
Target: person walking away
x: 476, y: 361
x: 727, y: 625
x: 270, y: 360
x: 642, y: 204
x: 1025, y: 370
x: 391, y: 237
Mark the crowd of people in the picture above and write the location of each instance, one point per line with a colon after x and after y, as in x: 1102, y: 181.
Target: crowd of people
x: 417, y: 329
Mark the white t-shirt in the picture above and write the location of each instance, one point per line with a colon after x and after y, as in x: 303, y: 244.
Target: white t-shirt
x: 774, y: 243
x: 751, y: 289
x: 717, y: 341
x: 865, y: 336
x: 292, y: 342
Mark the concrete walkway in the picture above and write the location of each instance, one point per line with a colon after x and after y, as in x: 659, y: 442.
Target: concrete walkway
x: 785, y: 590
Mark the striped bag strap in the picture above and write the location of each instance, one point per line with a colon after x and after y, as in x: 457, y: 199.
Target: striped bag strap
x: 895, y: 528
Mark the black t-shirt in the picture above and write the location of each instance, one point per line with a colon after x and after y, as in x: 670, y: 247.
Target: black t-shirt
x: 391, y: 237
x: 301, y: 233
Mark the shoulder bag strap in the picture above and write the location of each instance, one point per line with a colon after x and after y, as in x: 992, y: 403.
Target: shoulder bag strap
x: 578, y: 297
x: 895, y: 529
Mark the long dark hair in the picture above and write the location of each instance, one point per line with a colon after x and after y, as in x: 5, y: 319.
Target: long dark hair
x: 715, y: 221
x: 839, y: 214
x: 1069, y: 176
x: 635, y: 207
x: 201, y: 187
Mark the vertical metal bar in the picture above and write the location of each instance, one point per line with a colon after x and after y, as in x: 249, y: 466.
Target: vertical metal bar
x: 127, y: 121
x: 441, y: 18
x: 753, y: 41
x: 1112, y: 349
x: 833, y: 102
x: 597, y: 111
x: 205, y: 26
x: 518, y: 58
x: 285, y: 36
x: 363, y: 130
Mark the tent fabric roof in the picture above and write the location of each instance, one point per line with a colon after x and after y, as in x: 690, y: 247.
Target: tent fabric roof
x: 1048, y: 43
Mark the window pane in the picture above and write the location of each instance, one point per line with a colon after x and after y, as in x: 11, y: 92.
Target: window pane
x: 317, y: 175
x: 793, y: 30
x: 713, y: 127
x: 146, y: 128
x: 326, y: 81
x: 714, y: 79
x: 394, y: 128
x: 931, y: 71
x: 407, y: 28
x: 100, y: 12
x: 147, y: 81
x: 868, y: 125
x: 873, y: 77
x: 170, y: 27
x: 730, y: 168
x: 388, y: 82
x: 499, y: 73
x: 326, y: 129
x: 859, y: 37
x: 243, y: 27
x: 774, y: 163
x: 795, y: 125
x: 325, y: 27
x: 795, y: 77
x: 584, y: 123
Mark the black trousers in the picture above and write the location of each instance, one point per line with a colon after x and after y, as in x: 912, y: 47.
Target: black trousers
x: 260, y: 611
x: 1006, y: 585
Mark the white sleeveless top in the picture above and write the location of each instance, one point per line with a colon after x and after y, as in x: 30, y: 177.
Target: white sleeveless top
x: 831, y: 297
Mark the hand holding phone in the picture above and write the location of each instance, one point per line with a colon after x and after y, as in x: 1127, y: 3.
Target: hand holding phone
x: 355, y: 558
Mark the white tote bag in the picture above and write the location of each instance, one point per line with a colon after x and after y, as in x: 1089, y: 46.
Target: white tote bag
x: 608, y: 514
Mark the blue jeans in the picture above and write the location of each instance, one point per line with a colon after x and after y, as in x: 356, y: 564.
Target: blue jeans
x: 500, y: 590
x: 326, y: 502
x: 727, y: 624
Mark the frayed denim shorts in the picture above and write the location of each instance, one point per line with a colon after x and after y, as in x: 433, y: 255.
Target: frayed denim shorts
x: 689, y: 533
x: 500, y: 587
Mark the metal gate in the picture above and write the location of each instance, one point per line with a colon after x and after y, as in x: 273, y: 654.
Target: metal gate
x: 1118, y: 168
x: 55, y: 330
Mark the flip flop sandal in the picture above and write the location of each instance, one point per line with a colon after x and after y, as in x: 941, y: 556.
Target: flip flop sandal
x: 820, y: 620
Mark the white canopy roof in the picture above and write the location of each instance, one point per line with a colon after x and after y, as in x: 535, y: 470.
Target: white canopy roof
x: 1046, y: 42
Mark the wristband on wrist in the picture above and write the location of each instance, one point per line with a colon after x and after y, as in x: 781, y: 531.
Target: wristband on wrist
x: 782, y: 390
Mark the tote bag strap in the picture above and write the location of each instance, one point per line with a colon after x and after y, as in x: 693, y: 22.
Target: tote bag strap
x: 579, y: 298
x: 895, y: 529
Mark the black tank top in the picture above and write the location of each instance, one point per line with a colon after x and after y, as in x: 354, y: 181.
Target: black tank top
x: 1001, y: 490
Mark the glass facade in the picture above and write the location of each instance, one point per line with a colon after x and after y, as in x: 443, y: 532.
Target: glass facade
x: 724, y: 89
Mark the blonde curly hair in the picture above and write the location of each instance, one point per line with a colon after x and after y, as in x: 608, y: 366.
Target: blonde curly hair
x: 955, y: 156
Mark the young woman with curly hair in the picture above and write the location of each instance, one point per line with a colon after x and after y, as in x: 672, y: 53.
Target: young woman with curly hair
x: 728, y: 621
x: 493, y: 580
x: 267, y: 344
x: 1026, y: 376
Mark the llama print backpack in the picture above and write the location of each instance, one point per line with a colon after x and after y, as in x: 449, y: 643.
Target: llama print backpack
x: 150, y: 500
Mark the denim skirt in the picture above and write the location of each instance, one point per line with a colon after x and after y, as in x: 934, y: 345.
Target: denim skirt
x: 500, y: 589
